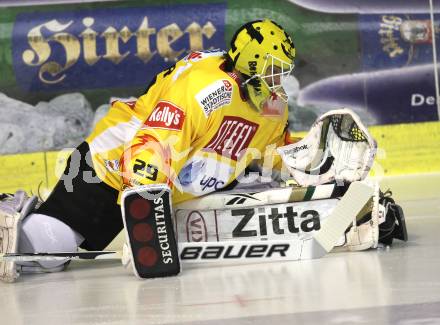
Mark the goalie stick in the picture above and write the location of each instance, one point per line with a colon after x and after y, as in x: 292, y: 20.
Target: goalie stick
x: 249, y: 198
x: 89, y: 255
x: 316, y: 246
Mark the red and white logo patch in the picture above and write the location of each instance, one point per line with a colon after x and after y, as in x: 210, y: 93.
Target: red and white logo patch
x: 200, y: 55
x: 233, y: 137
x: 228, y: 85
x: 194, y: 56
x: 167, y: 116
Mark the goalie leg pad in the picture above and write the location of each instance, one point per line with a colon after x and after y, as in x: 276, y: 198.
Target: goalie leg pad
x: 206, y: 219
x: 146, y: 213
x: 13, y: 209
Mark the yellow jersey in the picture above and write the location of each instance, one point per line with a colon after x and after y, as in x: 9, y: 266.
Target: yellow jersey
x: 192, y: 129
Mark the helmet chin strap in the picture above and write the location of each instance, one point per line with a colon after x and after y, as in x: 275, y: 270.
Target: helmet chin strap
x: 273, y: 106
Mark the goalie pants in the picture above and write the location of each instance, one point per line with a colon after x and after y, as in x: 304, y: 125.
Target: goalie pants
x: 90, y: 209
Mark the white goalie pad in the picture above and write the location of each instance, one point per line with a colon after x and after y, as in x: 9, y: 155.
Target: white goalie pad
x: 338, y: 147
x: 257, y: 216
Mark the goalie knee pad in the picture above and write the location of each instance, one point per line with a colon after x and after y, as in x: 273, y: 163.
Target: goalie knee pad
x: 41, y: 233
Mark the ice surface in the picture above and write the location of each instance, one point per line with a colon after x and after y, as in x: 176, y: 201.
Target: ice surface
x: 400, y: 285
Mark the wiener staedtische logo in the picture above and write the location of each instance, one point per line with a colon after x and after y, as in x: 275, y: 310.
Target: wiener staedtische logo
x: 215, y: 96
x: 114, y: 47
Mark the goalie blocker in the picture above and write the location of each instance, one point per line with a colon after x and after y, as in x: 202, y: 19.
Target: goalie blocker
x: 146, y: 213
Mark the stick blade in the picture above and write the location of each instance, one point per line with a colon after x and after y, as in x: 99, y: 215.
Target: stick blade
x: 57, y: 256
x: 356, y: 197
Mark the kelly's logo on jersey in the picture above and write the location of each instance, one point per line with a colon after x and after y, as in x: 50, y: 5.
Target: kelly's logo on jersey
x: 233, y: 137
x: 216, y: 95
x: 167, y: 116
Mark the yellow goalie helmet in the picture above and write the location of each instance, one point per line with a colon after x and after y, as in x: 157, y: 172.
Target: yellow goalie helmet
x: 263, y: 53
